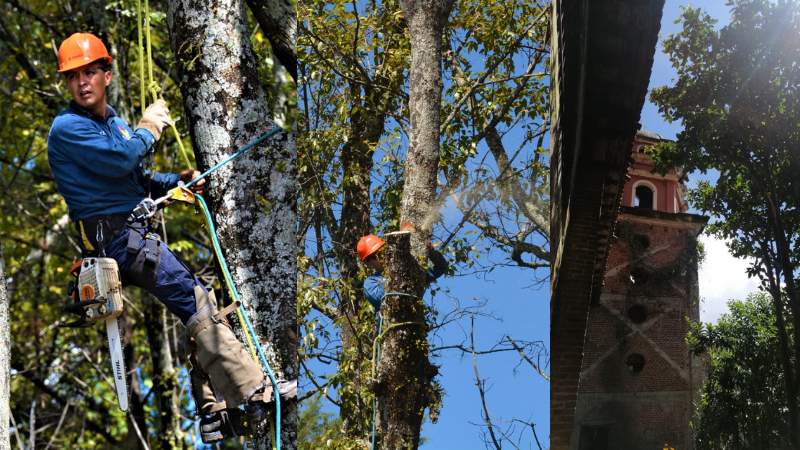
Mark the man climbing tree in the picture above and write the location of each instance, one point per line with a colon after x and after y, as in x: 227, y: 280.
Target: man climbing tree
x: 370, y: 252
x: 97, y: 162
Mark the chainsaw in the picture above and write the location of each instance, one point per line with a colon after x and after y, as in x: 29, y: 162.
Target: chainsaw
x: 100, y: 299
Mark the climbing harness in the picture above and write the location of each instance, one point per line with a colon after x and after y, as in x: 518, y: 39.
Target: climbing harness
x: 376, y: 357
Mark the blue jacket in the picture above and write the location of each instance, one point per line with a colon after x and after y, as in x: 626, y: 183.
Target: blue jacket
x: 375, y: 284
x: 97, y: 163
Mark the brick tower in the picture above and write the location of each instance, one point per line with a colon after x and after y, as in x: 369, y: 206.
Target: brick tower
x: 638, y: 379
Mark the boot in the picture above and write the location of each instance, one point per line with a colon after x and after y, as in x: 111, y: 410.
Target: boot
x: 261, y: 404
x: 232, y: 372
x: 212, y: 425
x: 221, y: 424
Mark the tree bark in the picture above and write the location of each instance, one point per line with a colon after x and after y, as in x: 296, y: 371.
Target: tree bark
x: 365, y: 126
x: 426, y: 21
x: 5, y: 361
x: 252, y: 198
x: 278, y: 22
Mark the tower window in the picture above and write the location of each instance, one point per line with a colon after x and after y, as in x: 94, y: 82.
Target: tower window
x: 643, y: 197
x: 637, y: 313
x: 635, y: 362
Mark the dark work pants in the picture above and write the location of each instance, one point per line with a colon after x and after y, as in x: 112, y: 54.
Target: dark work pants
x: 172, y: 283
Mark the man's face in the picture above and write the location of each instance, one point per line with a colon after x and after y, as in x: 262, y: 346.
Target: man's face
x: 374, y: 261
x: 87, y: 85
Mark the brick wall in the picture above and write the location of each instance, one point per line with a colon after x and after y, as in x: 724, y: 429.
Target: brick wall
x: 650, y: 290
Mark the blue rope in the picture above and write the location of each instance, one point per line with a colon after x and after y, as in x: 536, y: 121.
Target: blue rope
x: 261, y: 138
x: 224, y: 265
x: 375, y: 400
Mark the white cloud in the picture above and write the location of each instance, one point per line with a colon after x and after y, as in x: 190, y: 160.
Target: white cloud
x: 722, y: 277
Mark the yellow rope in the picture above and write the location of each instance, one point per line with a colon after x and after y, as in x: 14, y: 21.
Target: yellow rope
x: 152, y: 86
x: 141, y: 53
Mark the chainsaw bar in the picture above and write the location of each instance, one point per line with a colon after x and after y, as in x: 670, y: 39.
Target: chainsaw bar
x: 117, y: 362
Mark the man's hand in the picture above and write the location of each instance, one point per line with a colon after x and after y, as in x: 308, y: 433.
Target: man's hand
x: 189, y: 175
x: 155, y: 118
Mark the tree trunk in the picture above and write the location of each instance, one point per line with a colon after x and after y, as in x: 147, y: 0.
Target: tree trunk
x: 278, y: 22
x: 426, y: 21
x: 252, y: 198
x: 164, y: 375
x: 787, y: 269
x: 405, y: 378
x: 5, y: 358
x: 365, y: 126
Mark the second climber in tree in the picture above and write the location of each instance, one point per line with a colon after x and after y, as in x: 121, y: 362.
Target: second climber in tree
x: 98, y: 164
x: 370, y: 252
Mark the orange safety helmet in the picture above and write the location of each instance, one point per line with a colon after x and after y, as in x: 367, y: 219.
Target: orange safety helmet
x: 79, y: 50
x: 368, y: 245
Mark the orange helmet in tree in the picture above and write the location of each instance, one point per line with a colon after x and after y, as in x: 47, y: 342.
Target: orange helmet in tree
x: 368, y: 245
x: 79, y: 50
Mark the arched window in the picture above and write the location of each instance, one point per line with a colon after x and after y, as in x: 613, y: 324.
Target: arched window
x: 644, y: 195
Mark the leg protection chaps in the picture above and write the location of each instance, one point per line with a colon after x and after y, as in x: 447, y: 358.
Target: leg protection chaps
x: 220, y: 355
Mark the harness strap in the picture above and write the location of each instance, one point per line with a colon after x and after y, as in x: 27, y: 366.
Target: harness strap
x: 226, y: 311
x: 105, y: 229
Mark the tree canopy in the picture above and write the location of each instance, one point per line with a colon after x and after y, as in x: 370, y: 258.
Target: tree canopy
x: 741, y: 404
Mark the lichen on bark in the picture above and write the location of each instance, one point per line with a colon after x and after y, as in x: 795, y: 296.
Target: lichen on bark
x: 252, y: 198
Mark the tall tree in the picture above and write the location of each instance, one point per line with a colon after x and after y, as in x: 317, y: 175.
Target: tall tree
x: 740, y: 407
x: 354, y: 72
x: 252, y: 198
x: 406, y: 366
x: 736, y: 95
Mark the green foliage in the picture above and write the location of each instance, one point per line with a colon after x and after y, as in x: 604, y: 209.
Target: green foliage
x: 318, y: 429
x: 741, y: 406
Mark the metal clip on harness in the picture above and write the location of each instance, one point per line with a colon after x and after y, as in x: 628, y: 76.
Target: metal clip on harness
x: 144, y: 210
